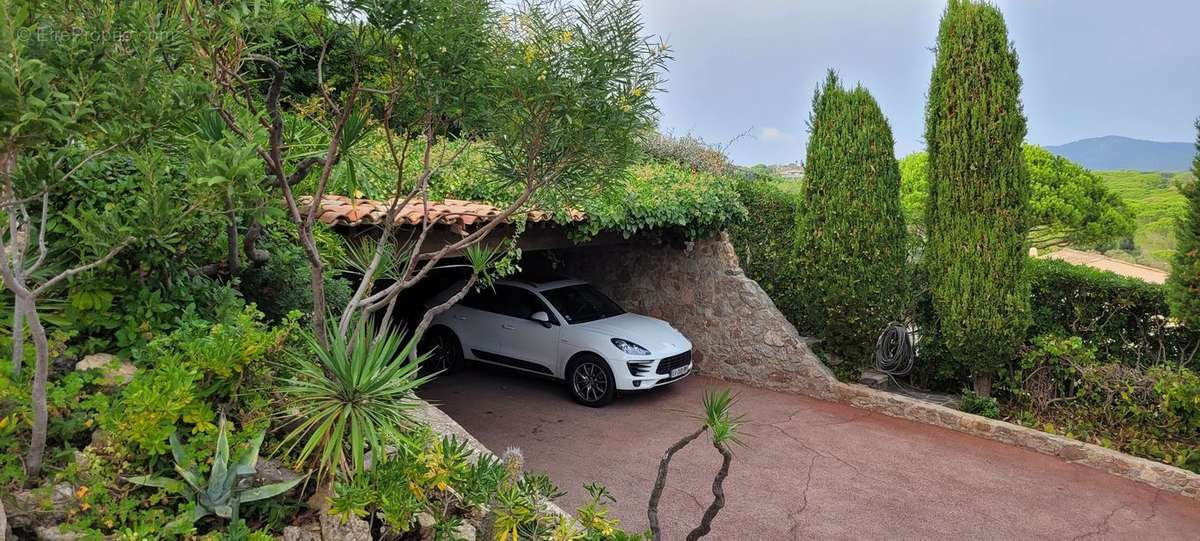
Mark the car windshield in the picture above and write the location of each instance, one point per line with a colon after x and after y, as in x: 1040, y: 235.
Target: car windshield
x: 582, y: 303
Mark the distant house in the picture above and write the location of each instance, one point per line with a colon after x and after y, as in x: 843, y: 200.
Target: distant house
x: 794, y: 170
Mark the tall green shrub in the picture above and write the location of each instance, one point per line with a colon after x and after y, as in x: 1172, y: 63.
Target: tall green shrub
x: 1183, y: 287
x: 977, y: 214
x: 766, y: 248
x: 850, y: 235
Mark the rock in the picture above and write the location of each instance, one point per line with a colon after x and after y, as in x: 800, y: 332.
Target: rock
x: 425, y: 524
x: 114, y: 370
x: 465, y: 532
x: 5, y: 531
x: 40, y: 506
x: 874, y: 379
x: 307, y: 532
x: 354, y: 529
x: 55, y: 533
x: 269, y: 471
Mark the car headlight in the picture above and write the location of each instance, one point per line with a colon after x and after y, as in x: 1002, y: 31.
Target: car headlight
x: 629, y: 347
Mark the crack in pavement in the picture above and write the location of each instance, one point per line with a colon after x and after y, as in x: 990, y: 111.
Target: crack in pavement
x: 795, y: 515
x: 792, y: 416
x: 822, y: 454
x: 1104, y: 526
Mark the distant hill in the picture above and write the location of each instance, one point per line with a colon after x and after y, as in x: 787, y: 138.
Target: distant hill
x: 1156, y: 203
x: 1113, y: 152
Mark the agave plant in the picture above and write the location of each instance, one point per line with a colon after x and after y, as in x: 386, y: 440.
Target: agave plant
x: 227, y: 487
x: 353, y: 395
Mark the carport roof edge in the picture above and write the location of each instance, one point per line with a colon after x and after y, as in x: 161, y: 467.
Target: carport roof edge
x: 346, y: 211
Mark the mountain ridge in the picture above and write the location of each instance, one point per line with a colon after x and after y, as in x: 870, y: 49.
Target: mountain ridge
x: 1115, y: 152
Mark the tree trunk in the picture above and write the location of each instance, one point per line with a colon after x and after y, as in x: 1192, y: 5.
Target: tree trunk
x: 231, y: 236
x: 318, y: 306
x: 661, y: 481
x: 983, y: 384
x: 718, y: 491
x: 37, y: 442
x: 18, y: 342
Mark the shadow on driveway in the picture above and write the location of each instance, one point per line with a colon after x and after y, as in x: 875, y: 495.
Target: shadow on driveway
x: 811, y: 469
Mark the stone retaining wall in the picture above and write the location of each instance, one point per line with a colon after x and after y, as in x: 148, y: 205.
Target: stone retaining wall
x: 739, y: 335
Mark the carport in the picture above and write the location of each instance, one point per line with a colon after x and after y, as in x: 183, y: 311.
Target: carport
x: 696, y: 285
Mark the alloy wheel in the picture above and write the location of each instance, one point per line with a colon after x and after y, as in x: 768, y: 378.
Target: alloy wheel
x: 590, y: 381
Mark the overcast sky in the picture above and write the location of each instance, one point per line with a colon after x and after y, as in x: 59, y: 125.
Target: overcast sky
x: 1090, y: 67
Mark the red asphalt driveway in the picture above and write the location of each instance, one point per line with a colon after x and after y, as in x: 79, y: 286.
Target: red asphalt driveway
x: 810, y: 470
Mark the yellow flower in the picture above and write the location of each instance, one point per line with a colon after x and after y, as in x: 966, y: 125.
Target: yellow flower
x: 637, y: 92
x: 81, y: 492
x: 566, y: 36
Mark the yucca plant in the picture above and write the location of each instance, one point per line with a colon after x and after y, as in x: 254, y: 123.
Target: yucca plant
x: 354, y: 395
x: 227, y: 487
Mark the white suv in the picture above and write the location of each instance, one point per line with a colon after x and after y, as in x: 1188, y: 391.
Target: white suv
x: 564, y: 329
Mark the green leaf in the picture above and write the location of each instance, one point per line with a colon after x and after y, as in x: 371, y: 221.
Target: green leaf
x: 220, y: 469
x: 247, y: 465
x: 268, y: 491
x: 172, y: 485
x: 177, y: 450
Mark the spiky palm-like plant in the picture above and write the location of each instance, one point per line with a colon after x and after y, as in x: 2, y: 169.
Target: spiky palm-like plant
x: 350, y: 397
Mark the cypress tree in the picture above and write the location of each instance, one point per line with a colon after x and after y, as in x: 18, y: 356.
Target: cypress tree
x: 850, y: 234
x: 1183, y: 286
x: 978, y: 209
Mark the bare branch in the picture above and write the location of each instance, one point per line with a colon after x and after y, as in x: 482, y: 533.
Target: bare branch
x: 718, y: 495
x: 660, y: 482
x: 83, y: 268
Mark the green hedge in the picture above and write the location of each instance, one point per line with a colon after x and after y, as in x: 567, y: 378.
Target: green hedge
x: 763, y: 242
x: 1125, y: 319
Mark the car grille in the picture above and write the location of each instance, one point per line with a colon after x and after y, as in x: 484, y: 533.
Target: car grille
x: 668, y: 364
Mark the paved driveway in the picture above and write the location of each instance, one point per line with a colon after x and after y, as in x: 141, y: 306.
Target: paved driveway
x: 811, y: 470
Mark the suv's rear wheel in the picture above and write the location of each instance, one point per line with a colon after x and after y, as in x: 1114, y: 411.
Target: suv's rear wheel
x: 591, y: 382
x: 445, y: 352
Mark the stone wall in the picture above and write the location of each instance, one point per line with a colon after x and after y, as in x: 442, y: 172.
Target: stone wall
x: 737, y: 332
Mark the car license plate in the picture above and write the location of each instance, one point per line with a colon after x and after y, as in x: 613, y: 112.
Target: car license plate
x: 680, y: 371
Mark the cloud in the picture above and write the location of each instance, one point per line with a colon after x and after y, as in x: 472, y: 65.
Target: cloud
x: 774, y: 135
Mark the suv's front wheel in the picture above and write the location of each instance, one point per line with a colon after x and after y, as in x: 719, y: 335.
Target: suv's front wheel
x: 444, y: 352
x: 591, y: 382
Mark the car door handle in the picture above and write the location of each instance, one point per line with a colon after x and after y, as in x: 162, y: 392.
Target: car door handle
x: 507, y: 326
x: 460, y: 318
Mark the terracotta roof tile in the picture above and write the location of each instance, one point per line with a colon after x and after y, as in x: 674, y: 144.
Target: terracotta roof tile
x: 342, y: 210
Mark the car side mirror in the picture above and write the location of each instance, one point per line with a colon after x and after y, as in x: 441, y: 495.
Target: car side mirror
x: 541, y: 317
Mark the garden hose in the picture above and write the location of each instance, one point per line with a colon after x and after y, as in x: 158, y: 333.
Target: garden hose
x: 894, y: 350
